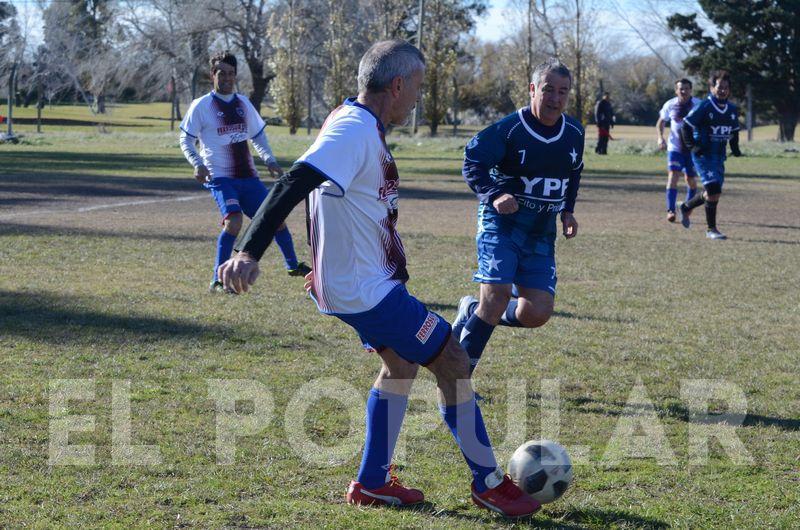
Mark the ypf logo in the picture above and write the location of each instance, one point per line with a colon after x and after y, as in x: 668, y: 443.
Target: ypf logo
x: 545, y: 187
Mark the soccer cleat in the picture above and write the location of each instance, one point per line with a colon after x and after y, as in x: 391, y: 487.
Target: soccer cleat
x: 685, y: 217
x: 392, y: 493
x: 506, y: 498
x: 671, y: 216
x: 463, y: 315
x: 301, y: 270
x: 715, y: 234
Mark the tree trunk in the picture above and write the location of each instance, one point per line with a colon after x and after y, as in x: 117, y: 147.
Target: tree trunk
x: 787, y: 121
x: 100, y: 102
x: 260, y: 82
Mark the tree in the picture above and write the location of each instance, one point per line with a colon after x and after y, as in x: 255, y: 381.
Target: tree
x: 248, y: 22
x: 445, y: 21
x: 759, y: 43
x: 342, y: 48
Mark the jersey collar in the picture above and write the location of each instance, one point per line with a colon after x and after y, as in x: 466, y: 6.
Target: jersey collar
x: 531, y: 123
x: 353, y: 102
x: 714, y: 100
x: 233, y: 97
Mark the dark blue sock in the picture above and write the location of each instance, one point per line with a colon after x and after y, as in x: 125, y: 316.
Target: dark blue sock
x: 672, y: 196
x: 225, y: 243
x: 690, y: 192
x: 474, y: 338
x: 284, y: 240
x: 509, y: 318
x: 385, y: 412
x: 466, y: 424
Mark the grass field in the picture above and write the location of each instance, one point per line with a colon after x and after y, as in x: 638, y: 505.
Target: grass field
x: 106, y: 246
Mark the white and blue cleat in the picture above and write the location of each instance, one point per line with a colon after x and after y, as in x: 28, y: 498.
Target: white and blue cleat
x: 464, y: 312
x: 715, y: 234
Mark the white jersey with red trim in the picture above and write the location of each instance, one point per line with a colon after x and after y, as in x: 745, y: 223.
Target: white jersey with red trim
x: 223, y: 128
x: 358, y: 256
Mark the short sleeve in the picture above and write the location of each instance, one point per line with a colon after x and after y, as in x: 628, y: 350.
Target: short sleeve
x: 192, y: 121
x: 340, y: 150
x: 664, y: 114
x: 255, y: 123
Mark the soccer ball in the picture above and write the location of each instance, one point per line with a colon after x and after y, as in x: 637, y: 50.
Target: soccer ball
x: 542, y: 469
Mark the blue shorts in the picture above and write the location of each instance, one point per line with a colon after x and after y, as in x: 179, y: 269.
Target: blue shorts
x: 710, y: 169
x: 238, y: 195
x: 677, y: 161
x: 404, y: 324
x: 500, y: 260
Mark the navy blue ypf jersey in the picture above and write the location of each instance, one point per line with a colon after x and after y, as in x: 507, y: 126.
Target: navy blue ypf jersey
x: 539, y: 165
x: 713, y: 123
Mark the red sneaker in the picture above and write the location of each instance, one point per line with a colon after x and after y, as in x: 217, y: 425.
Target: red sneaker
x: 506, y: 499
x: 392, y: 493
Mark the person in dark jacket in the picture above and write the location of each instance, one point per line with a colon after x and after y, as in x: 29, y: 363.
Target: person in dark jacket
x: 604, y: 118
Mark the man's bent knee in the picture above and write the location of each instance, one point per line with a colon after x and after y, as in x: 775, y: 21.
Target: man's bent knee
x: 534, y: 317
x: 452, y: 364
x: 493, y: 302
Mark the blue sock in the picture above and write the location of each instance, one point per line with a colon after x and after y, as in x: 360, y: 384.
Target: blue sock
x: 284, y: 240
x: 672, y: 196
x: 474, y: 338
x: 466, y: 424
x: 225, y: 243
x: 385, y: 412
x: 690, y: 192
x: 509, y: 318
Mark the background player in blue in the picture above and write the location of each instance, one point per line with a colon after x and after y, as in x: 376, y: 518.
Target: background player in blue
x: 706, y: 131
x: 224, y: 121
x: 679, y: 158
x: 525, y: 170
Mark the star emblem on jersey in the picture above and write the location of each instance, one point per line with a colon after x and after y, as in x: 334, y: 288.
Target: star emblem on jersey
x: 574, y: 155
x: 493, y: 264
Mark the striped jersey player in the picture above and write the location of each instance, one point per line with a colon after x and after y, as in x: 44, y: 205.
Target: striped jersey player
x: 359, y: 275
x: 224, y: 122
x: 679, y: 159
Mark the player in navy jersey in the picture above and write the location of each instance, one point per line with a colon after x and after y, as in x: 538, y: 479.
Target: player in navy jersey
x: 223, y: 122
x: 525, y: 170
x: 679, y: 158
x: 707, y: 131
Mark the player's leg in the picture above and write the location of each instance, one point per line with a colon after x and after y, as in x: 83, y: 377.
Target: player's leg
x: 703, y: 167
x: 253, y: 194
x: 691, y: 178
x: 532, y: 309
x: 673, y: 174
x: 713, y: 191
x: 227, y: 199
x: 497, y: 266
x: 386, y: 407
x: 491, y: 489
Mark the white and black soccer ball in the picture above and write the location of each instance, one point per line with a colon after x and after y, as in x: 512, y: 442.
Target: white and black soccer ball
x: 542, y: 469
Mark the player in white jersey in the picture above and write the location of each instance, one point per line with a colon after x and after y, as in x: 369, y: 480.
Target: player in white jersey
x: 359, y: 274
x: 679, y: 159
x: 223, y: 122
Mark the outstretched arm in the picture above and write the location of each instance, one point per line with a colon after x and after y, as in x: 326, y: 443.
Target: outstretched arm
x: 241, y: 271
x: 735, y: 144
x: 264, y: 151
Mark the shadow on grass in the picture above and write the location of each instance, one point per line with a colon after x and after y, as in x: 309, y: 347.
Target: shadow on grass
x: 676, y: 411
x: 16, y: 229
x: 553, y: 519
x: 65, y: 319
x: 57, y: 185
x: 763, y: 225
x: 618, y: 320
x: 771, y: 241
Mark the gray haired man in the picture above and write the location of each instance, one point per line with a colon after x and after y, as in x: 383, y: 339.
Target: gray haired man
x: 359, y: 275
x: 525, y: 170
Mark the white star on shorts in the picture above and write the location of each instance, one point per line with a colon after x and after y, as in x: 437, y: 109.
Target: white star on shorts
x: 493, y: 264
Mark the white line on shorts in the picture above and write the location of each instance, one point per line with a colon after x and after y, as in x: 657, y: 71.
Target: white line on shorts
x: 104, y: 206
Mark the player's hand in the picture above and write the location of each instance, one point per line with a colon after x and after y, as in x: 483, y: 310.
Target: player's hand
x: 202, y: 174
x: 570, y: 225
x: 274, y: 169
x: 309, y: 285
x: 505, y: 204
x: 662, y: 145
x: 238, y: 273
